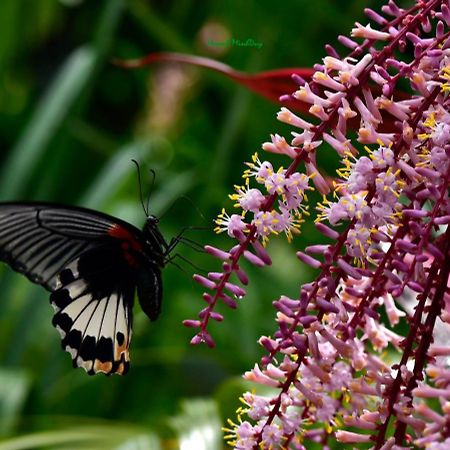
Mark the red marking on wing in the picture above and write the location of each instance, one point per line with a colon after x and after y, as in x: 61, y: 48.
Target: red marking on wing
x: 120, y: 232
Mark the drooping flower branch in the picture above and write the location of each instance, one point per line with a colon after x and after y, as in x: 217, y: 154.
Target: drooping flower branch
x: 362, y: 357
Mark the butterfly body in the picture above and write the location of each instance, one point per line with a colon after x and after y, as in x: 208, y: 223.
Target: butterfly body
x: 92, y: 264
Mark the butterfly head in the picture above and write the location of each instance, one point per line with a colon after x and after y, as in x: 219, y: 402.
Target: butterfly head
x: 151, y: 222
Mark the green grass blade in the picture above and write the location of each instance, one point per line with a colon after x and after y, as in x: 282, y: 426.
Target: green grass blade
x: 14, y: 387
x: 46, y: 120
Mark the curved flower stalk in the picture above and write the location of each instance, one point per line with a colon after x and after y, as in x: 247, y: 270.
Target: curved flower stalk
x: 362, y: 356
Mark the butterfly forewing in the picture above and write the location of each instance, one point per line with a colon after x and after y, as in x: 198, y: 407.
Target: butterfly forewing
x: 91, y: 263
x: 39, y: 241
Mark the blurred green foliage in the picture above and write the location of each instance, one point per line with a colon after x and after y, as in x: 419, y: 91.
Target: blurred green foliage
x: 70, y: 122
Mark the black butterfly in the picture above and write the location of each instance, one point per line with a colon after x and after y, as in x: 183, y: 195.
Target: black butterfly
x: 91, y: 263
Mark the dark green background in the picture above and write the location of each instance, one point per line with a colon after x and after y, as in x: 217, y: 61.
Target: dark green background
x: 70, y: 122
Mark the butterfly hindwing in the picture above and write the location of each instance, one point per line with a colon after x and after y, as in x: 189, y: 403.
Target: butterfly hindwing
x: 94, y: 322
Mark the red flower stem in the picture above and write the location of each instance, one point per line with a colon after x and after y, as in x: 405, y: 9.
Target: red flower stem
x: 424, y: 344
x: 420, y: 354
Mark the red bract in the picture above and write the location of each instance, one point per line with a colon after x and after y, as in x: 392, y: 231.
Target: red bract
x: 270, y: 84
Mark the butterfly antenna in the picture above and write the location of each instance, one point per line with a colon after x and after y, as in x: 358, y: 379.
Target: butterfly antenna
x: 140, y: 187
x: 151, y: 188
x: 195, y: 207
x: 183, y: 197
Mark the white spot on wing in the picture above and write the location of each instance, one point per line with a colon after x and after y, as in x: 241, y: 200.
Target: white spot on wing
x: 78, y: 308
x: 76, y: 288
x: 72, y: 351
x: 86, y: 365
x: 61, y: 332
x: 73, y: 267
x: 121, y: 327
x: 96, y: 320
x: 109, y: 321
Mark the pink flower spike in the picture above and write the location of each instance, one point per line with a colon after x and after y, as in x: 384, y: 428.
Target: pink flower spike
x: 306, y: 321
x: 443, y: 220
x: 436, y: 350
x: 319, y: 181
x: 242, y: 276
x: 348, y: 437
x: 427, y: 172
x: 228, y: 300
x: 343, y: 349
x: 373, y: 15
x: 270, y: 344
x: 235, y: 290
x: 326, y: 231
x: 208, y: 298
x: 309, y: 260
x: 215, y: 276
x: 437, y: 254
x: 216, y: 316
x: 283, y: 308
x: 340, y: 147
x: 347, y: 42
x: 359, y: 423
x: 326, y: 306
x: 255, y: 260
x: 192, y: 323
x: 348, y: 269
x: 196, y: 340
x: 416, y: 213
x: 288, y: 117
x: 318, y: 249
x: 260, y: 377
x: 367, y: 32
x: 415, y: 286
x: 406, y: 246
x: 216, y: 252
x: 409, y: 171
x: 309, y: 393
x: 200, y: 279
x: 207, y: 339
x: 422, y: 258
x: 203, y: 337
x: 261, y: 252
x: 424, y: 391
x: 239, y: 235
x: 227, y: 267
x: 205, y: 312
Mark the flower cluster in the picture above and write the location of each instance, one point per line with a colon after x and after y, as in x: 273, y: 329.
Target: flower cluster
x: 362, y: 356
x: 291, y: 192
x: 258, y: 219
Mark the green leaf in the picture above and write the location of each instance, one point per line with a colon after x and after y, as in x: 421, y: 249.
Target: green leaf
x: 98, y: 437
x: 14, y: 388
x: 198, y: 425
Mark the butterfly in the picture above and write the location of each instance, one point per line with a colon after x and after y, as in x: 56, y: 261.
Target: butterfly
x: 92, y: 264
